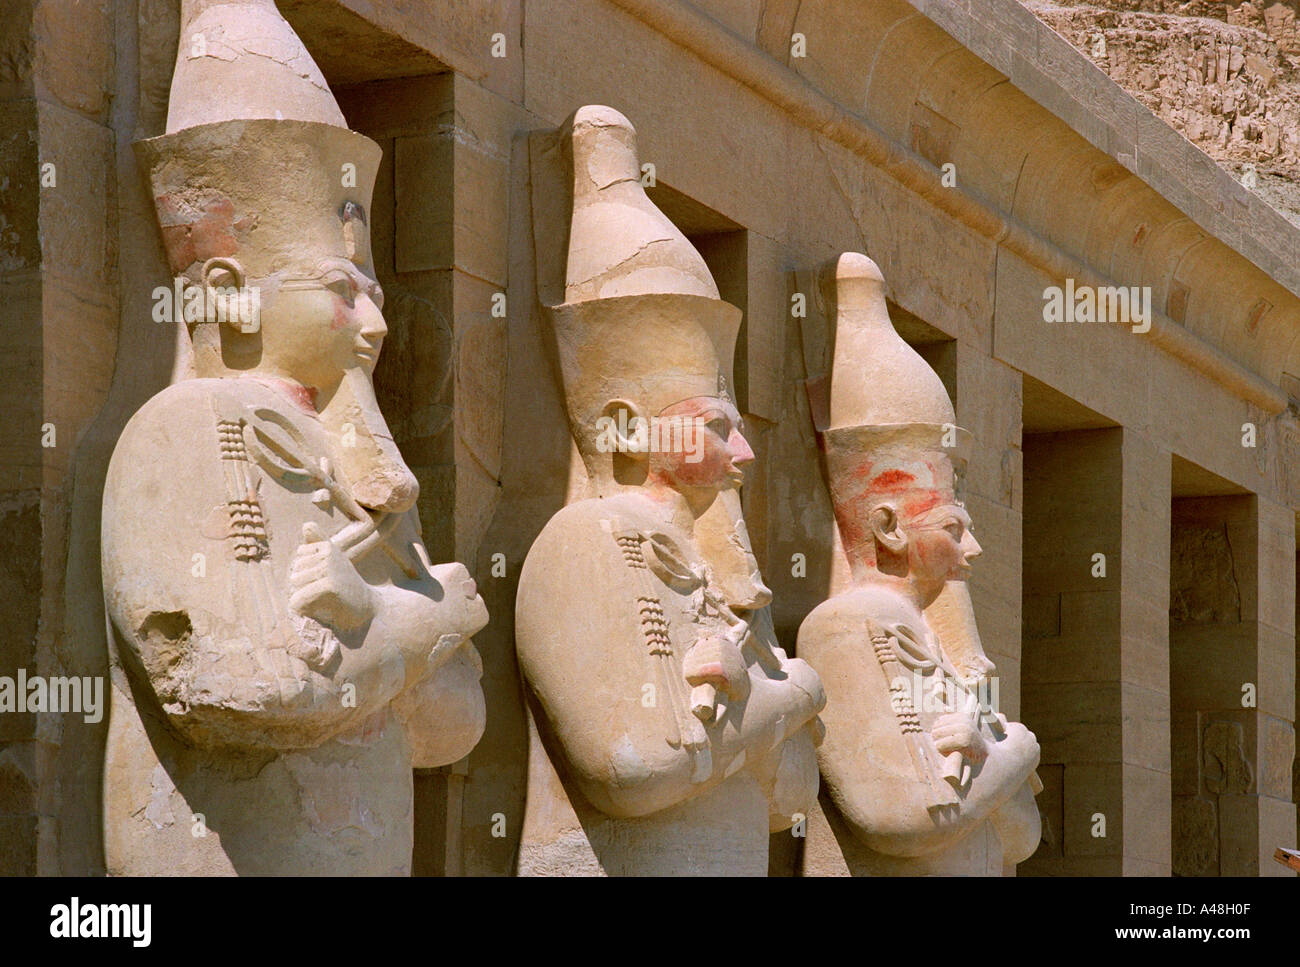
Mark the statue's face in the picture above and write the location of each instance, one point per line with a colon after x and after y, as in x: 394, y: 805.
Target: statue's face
x: 700, y: 446
x: 940, y: 547
x: 320, y: 325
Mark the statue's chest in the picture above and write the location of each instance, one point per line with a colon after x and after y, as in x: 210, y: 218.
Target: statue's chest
x: 934, y: 694
x: 920, y: 681
x: 675, y: 601
x: 676, y: 604
x: 278, y: 474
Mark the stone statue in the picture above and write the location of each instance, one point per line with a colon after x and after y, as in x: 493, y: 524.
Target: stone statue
x: 921, y: 773
x: 283, y: 651
x: 680, y: 732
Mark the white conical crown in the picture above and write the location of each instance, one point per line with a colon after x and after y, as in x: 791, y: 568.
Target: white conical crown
x: 892, y: 432
x: 877, y: 379
x: 619, y: 242
x: 642, y: 319
x: 257, y: 155
x: 240, y: 60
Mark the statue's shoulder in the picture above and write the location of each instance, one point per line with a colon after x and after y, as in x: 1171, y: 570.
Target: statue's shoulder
x: 575, y: 578
x: 570, y: 548
x: 185, y: 432
x: 856, y: 614
x: 879, y: 605
x: 866, y: 604
x: 192, y: 404
x: 181, y: 412
x: 602, y: 516
x: 598, y: 542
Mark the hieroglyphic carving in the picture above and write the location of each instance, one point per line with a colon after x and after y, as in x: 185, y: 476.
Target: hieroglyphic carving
x: 1226, y: 768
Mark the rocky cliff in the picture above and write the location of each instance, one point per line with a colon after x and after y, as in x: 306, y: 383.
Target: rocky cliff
x: 1224, y: 73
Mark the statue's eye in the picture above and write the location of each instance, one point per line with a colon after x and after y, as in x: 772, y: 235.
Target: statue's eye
x: 377, y: 297
x: 342, y: 287
x: 719, y: 426
x: 954, y: 528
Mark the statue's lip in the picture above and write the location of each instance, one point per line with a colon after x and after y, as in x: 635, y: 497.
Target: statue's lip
x: 367, y: 346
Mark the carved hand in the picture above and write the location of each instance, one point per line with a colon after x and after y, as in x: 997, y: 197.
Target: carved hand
x: 325, y: 584
x: 718, y: 662
x: 1020, y: 741
x: 956, y: 732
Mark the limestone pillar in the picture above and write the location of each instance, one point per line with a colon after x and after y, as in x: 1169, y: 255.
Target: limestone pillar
x: 1231, y: 620
x: 1095, y: 660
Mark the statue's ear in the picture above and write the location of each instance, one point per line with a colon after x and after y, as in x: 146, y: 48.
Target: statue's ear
x: 887, y: 530
x: 223, y: 273
x: 623, y: 428
x: 227, y: 298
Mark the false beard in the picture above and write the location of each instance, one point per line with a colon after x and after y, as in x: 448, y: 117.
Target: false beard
x: 377, y: 476
x: 723, y: 539
x: 951, y: 617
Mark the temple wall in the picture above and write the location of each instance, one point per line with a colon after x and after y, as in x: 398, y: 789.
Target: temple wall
x: 770, y: 163
x: 1232, y: 665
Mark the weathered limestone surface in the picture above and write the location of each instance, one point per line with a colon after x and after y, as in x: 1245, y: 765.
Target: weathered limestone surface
x: 1095, y: 656
x: 58, y: 259
x: 1232, y: 666
x: 919, y: 764
x: 679, y: 732
x: 769, y: 158
x: 1224, y: 73
x: 283, y: 650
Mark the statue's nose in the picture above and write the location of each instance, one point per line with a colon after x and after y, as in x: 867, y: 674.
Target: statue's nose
x: 373, y: 326
x: 740, y: 449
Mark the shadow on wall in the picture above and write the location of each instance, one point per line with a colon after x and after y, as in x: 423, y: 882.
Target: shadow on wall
x: 71, y: 841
